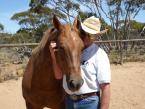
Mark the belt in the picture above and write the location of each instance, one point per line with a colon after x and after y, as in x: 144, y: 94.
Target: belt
x: 83, y: 96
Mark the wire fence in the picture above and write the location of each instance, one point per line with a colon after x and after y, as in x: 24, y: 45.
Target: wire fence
x: 13, y: 57
x: 119, y: 51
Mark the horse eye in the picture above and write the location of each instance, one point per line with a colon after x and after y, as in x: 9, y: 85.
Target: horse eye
x: 60, y: 48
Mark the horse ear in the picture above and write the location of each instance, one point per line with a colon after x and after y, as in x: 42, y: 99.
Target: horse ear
x: 56, y: 23
x: 77, y: 23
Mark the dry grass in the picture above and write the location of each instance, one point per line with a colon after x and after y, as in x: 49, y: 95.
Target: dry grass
x: 11, y: 71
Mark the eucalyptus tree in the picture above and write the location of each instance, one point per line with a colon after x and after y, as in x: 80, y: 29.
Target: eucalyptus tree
x: 69, y: 8
x: 118, y: 13
x: 36, y: 19
x: 1, y: 35
x: 1, y: 27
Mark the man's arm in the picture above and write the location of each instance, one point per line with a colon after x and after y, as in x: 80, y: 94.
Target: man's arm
x: 56, y: 68
x: 105, y: 95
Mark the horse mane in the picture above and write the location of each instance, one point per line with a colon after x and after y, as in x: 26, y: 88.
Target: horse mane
x: 37, y: 54
x: 47, y: 37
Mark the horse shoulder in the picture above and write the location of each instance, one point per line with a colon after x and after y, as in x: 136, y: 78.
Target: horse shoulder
x: 28, y: 73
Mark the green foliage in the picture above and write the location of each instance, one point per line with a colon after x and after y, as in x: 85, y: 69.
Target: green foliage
x: 37, y: 3
x: 31, y: 20
x: 137, y: 25
x: 15, y: 38
x: 39, y: 32
x: 68, y: 8
x: 1, y: 27
x: 122, y: 12
x: 5, y: 38
x: 117, y: 10
x: 38, y: 17
x: 84, y: 15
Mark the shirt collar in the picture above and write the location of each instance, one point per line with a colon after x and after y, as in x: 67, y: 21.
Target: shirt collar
x: 90, y: 48
x: 88, y: 52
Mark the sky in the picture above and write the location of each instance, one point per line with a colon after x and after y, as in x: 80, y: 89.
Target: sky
x: 9, y: 7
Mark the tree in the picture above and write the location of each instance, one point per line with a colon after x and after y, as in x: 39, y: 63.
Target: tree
x: 38, y: 16
x: 115, y: 11
x: 1, y: 27
x: 69, y: 8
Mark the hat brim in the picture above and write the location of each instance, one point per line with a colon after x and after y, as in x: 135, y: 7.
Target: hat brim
x: 91, y: 31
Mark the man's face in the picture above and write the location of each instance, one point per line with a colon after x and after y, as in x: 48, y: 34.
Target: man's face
x: 86, y: 40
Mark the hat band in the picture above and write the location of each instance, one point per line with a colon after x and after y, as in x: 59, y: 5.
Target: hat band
x: 92, y: 27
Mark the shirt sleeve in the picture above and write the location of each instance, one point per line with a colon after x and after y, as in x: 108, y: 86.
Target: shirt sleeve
x: 103, y: 68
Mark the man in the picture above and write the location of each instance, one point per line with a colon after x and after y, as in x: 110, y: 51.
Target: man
x: 95, y: 69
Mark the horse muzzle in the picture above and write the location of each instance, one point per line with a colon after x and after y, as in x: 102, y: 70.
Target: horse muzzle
x: 75, y: 85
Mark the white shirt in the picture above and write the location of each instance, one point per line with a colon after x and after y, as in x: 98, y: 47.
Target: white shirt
x: 95, y: 70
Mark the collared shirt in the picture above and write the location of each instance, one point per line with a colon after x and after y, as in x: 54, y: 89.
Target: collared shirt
x: 95, y: 70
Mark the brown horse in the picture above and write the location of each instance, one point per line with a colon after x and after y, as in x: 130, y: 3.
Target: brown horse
x: 39, y: 85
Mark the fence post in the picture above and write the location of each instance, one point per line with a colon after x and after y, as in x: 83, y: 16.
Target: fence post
x: 121, y: 52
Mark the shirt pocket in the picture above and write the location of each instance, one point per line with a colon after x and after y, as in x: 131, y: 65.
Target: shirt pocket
x: 89, y: 67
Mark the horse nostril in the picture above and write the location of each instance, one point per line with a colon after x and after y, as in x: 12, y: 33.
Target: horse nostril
x: 72, y: 84
x: 75, y: 85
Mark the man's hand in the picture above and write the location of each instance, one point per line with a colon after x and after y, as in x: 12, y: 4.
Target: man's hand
x: 52, y: 47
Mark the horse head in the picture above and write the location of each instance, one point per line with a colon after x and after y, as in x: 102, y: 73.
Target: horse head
x: 69, y: 46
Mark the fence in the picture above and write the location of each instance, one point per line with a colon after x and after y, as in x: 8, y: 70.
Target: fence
x: 119, y: 51
x: 13, y: 57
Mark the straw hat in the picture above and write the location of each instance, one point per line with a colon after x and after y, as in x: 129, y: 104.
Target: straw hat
x: 92, y: 26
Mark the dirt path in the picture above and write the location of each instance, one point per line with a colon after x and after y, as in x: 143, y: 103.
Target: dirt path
x: 128, y: 86
x: 128, y: 89
x: 11, y: 95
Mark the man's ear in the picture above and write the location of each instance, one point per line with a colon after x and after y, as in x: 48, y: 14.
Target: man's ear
x: 77, y: 23
x: 56, y: 23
